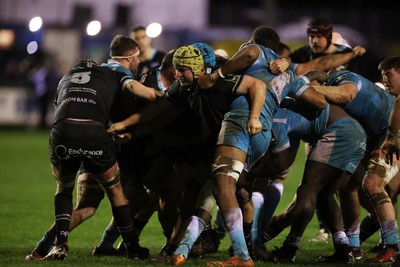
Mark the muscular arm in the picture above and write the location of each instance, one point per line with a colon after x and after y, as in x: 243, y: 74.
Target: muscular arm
x: 394, y: 121
x: 392, y: 143
x: 256, y: 90
x: 316, y: 75
x: 341, y: 94
x: 141, y: 90
x: 313, y: 99
x: 328, y: 62
x: 323, y: 63
x: 239, y: 61
x: 146, y: 114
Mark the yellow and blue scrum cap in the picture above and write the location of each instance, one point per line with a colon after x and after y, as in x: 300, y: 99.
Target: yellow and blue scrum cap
x: 190, y: 57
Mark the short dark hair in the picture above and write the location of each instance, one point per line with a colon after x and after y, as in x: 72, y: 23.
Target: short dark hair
x: 390, y: 63
x: 266, y: 36
x: 121, y: 44
x: 137, y: 28
x: 167, y: 60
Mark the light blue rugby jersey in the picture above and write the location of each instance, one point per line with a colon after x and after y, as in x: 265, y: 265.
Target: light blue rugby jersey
x: 278, y: 87
x: 307, y: 125
x: 114, y: 65
x: 372, y: 105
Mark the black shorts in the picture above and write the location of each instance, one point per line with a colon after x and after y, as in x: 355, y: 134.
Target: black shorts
x: 74, y: 143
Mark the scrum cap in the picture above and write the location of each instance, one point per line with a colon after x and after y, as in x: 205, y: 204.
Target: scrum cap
x: 190, y: 57
x: 207, y: 52
x: 320, y: 26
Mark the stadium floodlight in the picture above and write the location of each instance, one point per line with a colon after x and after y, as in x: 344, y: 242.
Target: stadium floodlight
x: 35, y: 24
x: 93, y: 28
x: 154, y: 30
x: 32, y: 47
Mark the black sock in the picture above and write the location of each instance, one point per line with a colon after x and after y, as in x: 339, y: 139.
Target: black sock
x: 169, y: 248
x: 368, y: 227
x: 139, y: 225
x: 247, y: 232
x: 122, y: 217
x: 63, y: 208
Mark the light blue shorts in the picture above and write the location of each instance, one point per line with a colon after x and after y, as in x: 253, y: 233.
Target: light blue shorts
x: 282, y: 142
x: 234, y: 133
x: 341, y: 146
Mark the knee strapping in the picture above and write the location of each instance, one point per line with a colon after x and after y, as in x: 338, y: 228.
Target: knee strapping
x: 65, y: 183
x: 382, y: 169
x: 110, y: 183
x: 380, y: 199
x: 227, y: 166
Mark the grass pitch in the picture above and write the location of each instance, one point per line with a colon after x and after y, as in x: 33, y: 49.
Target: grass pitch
x: 27, y: 210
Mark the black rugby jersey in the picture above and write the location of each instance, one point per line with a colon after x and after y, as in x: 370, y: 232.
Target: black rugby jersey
x: 153, y: 62
x: 210, y: 105
x: 88, y: 93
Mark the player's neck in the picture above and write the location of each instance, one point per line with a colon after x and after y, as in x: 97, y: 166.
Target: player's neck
x: 146, y: 54
x: 330, y: 49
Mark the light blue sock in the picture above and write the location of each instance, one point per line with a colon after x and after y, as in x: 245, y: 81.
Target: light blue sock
x: 340, y: 238
x: 193, y: 231
x: 258, y: 202
x: 390, y: 233
x: 234, y: 223
x: 353, y: 234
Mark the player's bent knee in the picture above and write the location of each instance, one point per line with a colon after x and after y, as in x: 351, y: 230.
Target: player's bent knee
x: 382, y: 169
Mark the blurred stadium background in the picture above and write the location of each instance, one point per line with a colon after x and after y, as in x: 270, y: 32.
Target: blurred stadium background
x: 56, y: 33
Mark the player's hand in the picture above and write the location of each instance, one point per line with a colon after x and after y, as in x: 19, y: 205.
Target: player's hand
x: 359, y: 50
x: 278, y: 66
x: 116, y: 127
x: 205, y: 81
x: 389, y: 150
x: 254, y: 126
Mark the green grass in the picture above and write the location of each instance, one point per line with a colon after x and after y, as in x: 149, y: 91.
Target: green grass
x: 26, y: 211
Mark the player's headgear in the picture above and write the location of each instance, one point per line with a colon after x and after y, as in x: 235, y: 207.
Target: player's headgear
x: 207, y: 52
x: 190, y: 57
x: 85, y: 63
x: 321, y: 26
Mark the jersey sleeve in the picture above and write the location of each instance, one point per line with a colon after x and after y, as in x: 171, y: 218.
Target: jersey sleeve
x: 232, y: 82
